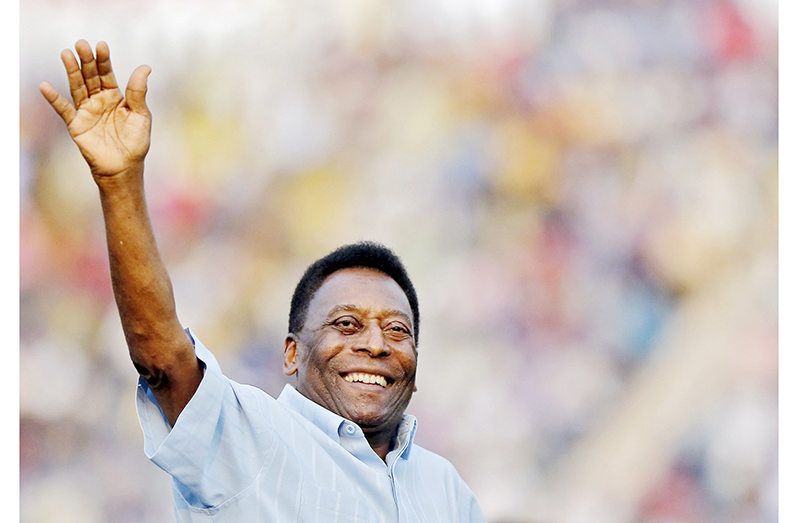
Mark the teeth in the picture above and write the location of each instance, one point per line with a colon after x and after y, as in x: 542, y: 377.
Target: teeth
x: 363, y: 377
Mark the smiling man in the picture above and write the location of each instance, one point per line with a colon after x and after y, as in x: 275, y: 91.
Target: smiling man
x: 338, y: 447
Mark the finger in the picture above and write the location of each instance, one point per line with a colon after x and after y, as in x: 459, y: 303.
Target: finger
x: 88, y: 67
x: 104, y: 69
x: 76, y: 85
x: 137, y: 90
x: 61, y: 105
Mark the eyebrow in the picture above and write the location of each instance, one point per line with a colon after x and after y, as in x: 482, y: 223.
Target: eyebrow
x: 347, y: 307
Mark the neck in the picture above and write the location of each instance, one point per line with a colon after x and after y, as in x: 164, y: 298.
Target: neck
x: 381, y: 441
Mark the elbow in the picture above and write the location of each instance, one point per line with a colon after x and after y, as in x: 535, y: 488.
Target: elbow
x: 155, y: 378
x: 159, y: 362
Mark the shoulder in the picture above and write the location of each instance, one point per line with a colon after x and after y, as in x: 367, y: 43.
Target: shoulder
x: 433, y: 463
x: 426, y: 455
x: 218, y: 392
x: 444, y: 475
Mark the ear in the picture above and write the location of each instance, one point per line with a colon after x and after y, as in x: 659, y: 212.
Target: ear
x: 289, y: 356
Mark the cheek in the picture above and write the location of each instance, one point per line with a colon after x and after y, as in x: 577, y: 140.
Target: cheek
x: 409, y: 363
x: 317, y: 354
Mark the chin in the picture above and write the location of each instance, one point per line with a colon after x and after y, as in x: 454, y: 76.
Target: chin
x: 375, y: 420
x: 370, y: 425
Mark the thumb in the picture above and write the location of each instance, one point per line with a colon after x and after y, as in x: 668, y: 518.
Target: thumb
x: 137, y: 89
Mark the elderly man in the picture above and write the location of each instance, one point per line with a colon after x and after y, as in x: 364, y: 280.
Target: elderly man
x: 339, y: 446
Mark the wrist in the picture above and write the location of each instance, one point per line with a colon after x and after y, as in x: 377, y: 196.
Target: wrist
x: 124, y: 180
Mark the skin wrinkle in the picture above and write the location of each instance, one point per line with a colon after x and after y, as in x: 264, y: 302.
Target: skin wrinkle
x: 354, y: 308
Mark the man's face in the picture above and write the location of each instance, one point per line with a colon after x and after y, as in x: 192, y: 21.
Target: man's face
x: 356, y: 355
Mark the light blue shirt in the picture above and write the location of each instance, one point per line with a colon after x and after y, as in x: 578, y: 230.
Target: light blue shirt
x: 238, y: 455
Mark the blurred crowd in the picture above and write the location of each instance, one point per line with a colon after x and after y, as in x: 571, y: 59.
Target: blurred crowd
x: 584, y: 192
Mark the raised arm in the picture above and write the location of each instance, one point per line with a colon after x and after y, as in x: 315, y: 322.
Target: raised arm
x: 112, y: 132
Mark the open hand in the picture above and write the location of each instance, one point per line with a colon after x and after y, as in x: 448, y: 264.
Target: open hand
x: 112, y: 131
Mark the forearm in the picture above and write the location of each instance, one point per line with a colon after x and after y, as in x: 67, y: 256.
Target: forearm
x: 159, y: 348
x: 113, y: 134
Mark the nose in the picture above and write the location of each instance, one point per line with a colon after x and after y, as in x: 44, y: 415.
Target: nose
x: 372, y: 341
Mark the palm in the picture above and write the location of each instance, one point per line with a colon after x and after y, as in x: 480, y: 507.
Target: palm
x: 111, y: 130
x: 108, y: 133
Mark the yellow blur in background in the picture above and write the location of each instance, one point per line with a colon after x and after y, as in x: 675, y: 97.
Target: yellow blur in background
x: 584, y: 192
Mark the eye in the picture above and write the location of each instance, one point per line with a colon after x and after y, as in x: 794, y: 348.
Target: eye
x: 347, y: 325
x: 397, y: 331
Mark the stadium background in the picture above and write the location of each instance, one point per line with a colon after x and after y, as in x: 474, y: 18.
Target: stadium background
x: 585, y: 193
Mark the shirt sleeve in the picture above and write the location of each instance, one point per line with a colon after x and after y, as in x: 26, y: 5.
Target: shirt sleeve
x: 219, y: 441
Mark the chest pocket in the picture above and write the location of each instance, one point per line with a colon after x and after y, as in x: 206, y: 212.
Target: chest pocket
x: 323, y: 505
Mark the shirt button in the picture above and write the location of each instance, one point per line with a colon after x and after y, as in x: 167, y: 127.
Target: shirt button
x: 350, y: 429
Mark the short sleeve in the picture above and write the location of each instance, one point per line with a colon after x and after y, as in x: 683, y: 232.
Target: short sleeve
x: 219, y: 441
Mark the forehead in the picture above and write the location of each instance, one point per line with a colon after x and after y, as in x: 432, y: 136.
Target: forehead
x: 366, y: 289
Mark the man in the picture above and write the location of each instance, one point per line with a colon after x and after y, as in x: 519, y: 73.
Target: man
x: 338, y: 447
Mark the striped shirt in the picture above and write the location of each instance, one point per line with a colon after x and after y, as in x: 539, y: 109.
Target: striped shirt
x: 238, y: 455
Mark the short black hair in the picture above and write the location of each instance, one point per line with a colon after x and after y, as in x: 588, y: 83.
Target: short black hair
x: 366, y: 255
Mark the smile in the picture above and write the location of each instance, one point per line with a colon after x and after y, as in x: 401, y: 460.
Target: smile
x: 364, y: 377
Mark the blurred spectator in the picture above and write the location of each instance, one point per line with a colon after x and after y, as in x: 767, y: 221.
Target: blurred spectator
x: 584, y: 192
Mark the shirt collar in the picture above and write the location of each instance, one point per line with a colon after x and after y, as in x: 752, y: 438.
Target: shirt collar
x: 406, y: 434
x: 330, y: 422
